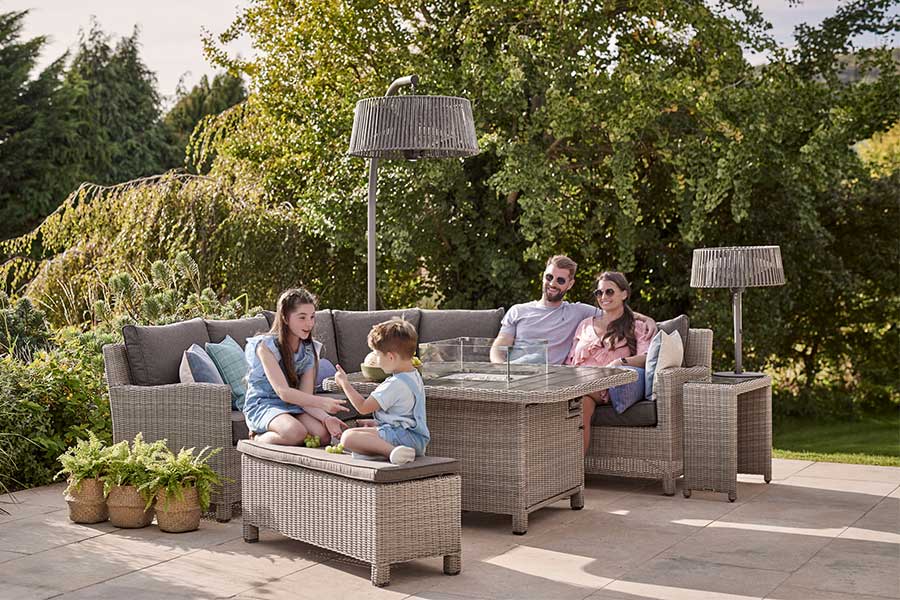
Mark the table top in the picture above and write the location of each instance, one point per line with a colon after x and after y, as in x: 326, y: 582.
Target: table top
x: 560, y: 383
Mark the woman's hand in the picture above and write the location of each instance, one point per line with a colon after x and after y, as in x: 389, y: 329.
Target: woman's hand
x: 334, y: 426
x: 332, y: 405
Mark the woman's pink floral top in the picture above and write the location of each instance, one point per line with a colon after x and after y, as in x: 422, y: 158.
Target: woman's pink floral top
x: 588, y: 350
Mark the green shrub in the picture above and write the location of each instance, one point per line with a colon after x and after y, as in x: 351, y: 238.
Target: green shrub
x: 49, y: 403
x: 23, y: 329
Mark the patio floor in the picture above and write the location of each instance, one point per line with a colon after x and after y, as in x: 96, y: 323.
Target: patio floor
x: 818, y: 531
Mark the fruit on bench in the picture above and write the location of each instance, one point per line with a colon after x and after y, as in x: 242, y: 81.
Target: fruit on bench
x: 339, y: 449
x: 312, y: 441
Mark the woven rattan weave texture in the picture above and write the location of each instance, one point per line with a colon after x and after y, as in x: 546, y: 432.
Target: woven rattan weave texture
x: 379, y: 523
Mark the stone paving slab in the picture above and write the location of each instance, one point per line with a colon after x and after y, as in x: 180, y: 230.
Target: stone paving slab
x: 830, y: 532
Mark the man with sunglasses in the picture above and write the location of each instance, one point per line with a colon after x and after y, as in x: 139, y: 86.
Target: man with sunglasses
x: 550, y: 318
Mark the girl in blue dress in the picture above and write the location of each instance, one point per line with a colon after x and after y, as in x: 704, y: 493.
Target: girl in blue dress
x: 280, y: 407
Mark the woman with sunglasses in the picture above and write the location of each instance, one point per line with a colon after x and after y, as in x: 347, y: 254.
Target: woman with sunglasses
x: 614, y: 338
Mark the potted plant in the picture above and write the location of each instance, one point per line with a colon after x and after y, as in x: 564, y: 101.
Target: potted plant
x: 85, y: 464
x: 129, y: 470
x: 181, y: 485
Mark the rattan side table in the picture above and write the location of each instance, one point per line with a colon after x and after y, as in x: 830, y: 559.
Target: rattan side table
x: 727, y: 430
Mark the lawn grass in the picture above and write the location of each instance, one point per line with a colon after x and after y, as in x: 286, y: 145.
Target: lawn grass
x: 868, y: 441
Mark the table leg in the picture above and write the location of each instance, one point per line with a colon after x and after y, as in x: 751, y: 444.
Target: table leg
x: 576, y: 501
x: 755, y: 433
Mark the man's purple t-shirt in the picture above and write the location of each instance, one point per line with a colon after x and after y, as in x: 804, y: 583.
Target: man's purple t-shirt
x: 557, y: 325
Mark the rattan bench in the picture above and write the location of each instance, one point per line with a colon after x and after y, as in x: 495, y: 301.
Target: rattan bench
x: 369, y: 510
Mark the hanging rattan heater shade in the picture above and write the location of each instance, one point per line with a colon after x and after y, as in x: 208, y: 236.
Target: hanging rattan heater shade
x: 737, y: 267
x: 413, y: 127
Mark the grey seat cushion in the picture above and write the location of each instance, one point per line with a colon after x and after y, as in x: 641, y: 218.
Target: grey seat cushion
x: 446, y: 324
x: 154, y: 351
x: 346, y: 466
x: 681, y: 324
x: 238, y: 329
x: 322, y: 332
x: 352, y: 329
x: 640, y: 414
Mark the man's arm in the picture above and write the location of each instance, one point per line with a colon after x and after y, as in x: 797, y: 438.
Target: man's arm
x: 649, y: 320
x: 504, y: 339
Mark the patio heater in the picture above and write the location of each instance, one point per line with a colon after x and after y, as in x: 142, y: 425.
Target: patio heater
x: 408, y: 127
x: 737, y: 268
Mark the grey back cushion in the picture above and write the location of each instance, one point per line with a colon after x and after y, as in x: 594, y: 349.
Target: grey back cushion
x: 238, y: 329
x: 681, y: 324
x: 446, y: 324
x: 322, y: 332
x: 154, y: 351
x: 352, y: 328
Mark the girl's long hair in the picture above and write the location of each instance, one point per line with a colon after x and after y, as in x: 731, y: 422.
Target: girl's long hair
x: 623, y: 327
x: 289, y: 301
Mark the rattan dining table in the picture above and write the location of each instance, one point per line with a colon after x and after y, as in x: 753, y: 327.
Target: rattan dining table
x: 519, y: 442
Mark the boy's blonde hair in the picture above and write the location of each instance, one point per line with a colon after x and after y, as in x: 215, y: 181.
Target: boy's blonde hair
x: 397, y: 336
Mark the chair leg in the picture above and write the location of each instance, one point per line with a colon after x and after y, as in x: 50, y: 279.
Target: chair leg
x: 668, y: 485
x: 452, y: 564
x: 381, y: 574
x: 251, y: 533
x: 223, y: 512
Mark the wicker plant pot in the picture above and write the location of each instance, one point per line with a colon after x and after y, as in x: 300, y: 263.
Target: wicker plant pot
x: 126, y: 507
x: 176, y: 515
x: 86, y: 502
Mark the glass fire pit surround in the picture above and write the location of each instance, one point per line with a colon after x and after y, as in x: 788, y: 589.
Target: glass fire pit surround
x: 469, y: 359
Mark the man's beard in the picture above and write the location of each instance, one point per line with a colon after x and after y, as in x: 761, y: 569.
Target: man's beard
x: 552, y: 297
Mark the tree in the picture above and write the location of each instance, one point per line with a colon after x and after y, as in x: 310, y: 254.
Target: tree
x: 34, y: 131
x: 204, y: 99
x: 116, y: 109
x: 624, y: 134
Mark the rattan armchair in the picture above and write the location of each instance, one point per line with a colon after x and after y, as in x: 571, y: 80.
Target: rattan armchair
x: 185, y: 414
x: 654, y: 452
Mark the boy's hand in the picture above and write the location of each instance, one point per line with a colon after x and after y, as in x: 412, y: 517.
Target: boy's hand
x: 341, y: 377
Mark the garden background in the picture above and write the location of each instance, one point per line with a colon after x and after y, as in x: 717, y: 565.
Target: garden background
x: 623, y: 133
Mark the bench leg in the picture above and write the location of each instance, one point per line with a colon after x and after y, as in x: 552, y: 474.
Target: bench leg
x: 223, y: 512
x: 669, y: 485
x: 452, y: 564
x: 381, y: 574
x: 520, y: 523
x: 251, y: 533
x: 576, y: 501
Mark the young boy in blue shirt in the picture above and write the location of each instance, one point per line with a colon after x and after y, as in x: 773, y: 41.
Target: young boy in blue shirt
x: 400, y: 432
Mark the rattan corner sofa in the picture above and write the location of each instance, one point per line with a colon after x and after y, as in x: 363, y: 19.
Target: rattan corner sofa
x: 146, y: 396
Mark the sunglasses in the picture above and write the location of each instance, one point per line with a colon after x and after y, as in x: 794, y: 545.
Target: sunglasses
x: 599, y: 293
x: 548, y: 277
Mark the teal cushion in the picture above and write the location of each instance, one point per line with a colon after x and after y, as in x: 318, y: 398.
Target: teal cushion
x: 229, y: 359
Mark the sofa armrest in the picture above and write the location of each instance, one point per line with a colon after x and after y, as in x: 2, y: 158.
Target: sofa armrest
x: 699, y: 348
x: 115, y: 365
x: 669, y: 393
x: 185, y: 414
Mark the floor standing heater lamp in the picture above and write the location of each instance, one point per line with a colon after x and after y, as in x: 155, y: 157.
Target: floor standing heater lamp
x: 407, y: 127
x: 737, y: 268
